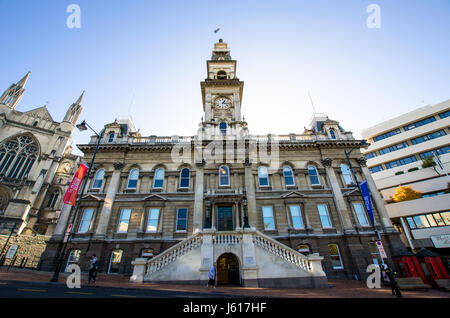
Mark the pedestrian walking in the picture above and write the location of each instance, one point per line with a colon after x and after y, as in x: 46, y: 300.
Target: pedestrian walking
x: 212, y: 275
x: 393, y: 282
x: 93, y: 269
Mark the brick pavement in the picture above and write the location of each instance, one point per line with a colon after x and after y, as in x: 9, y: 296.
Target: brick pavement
x: 338, y: 288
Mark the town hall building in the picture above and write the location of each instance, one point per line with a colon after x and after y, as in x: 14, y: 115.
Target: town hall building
x: 270, y: 210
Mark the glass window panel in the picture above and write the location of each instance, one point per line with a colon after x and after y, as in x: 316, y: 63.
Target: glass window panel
x: 288, y: 176
x: 411, y: 223
x: 159, y: 178
x: 346, y: 174
x: 324, y: 216
x: 124, y: 221
x: 269, y: 223
x: 431, y: 220
x: 446, y: 217
x: 313, y: 177
x: 332, y: 134
x: 116, y: 258
x: 133, y: 179
x: 181, y: 219
x: 263, y: 176
x: 184, y: 178
x: 334, y: 256
x: 439, y: 220
x: 86, y: 221
x: 224, y: 176
x: 153, y: 217
x: 421, y: 221
x: 296, y: 216
x: 98, y: 180
x: 361, y: 214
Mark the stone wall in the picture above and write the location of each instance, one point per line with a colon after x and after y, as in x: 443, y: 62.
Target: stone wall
x: 30, y: 247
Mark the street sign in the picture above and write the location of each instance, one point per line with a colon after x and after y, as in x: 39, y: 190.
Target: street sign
x: 12, y: 251
x: 381, y: 249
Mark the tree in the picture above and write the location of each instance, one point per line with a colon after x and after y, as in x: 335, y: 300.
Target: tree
x: 429, y: 162
x: 404, y: 193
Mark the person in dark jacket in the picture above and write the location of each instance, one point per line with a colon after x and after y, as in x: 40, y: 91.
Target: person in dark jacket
x: 393, y: 282
x: 93, y: 269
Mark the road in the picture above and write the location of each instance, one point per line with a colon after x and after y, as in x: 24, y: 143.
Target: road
x: 19, y: 289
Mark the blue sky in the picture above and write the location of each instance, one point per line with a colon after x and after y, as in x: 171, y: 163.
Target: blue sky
x: 156, y: 52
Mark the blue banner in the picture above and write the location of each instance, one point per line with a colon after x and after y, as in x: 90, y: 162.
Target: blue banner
x: 366, y: 195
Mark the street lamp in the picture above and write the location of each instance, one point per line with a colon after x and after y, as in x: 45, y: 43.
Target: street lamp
x: 60, y: 255
x: 347, y: 154
x: 246, y: 224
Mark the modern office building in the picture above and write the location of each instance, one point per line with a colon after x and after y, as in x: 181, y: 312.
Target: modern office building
x: 395, y: 157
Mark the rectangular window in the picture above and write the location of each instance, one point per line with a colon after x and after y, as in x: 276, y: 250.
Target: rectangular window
x: 376, y: 169
x: 393, y: 148
x: 153, y: 220
x: 124, y: 220
x: 387, y: 135
x: 446, y: 217
x: 324, y: 216
x: 361, y: 214
x: 268, y: 219
x: 421, y: 221
x: 439, y: 220
x: 85, y: 223
x: 335, y: 256
x: 371, y: 155
x: 411, y: 223
x: 296, y: 216
x: 444, y: 114
x: 419, y: 123
x: 400, y: 162
x: 182, y: 219
x: 431, y: 220
x: 439, y: 151
x: 431, y: 136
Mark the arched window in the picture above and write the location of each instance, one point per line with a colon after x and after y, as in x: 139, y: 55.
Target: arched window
x: 116, y: 258
x: 184, y: 178
x: 98, y: 179
x: 288, y: 176
x: 53, y: 199
x: 17, y: 156
x: 335, y: 256
x: 111, y: 137
x: 313, y: 175
x: 223, y: 128
x: 332, y: 134
x: 221, y: 75
x: 224, y: 176
x: 346, y: 174
x: 74, y: 258
x: 304, y: 249
x: 133, y: 179
x: 158, y: 181
x: 263, y: 176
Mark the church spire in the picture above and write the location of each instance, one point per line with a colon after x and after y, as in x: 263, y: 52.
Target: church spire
x: 74, y: 110
x: 14, y: 93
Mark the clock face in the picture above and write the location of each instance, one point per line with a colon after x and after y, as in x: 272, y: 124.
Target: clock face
x: 222, y: 103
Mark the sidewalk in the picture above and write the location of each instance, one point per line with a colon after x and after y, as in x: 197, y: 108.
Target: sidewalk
x: 338, y: 288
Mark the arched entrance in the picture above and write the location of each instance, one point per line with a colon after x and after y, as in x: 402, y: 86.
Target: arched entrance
x: 228, y: 270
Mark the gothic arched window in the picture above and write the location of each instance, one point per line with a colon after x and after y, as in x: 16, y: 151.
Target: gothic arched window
x: 133, y: 179
x: 98, y: 180
x: 17, y: 156
x: 332, y: 134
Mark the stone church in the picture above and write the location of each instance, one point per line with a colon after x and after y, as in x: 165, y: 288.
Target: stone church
x: 36, y: 163
x: 270, y: 210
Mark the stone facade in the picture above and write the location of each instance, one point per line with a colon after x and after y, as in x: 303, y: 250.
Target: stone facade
x: 177, y: 197
x: 36, y: 163
x: 30, y: 249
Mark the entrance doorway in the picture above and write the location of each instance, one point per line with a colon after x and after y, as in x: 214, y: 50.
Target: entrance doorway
x: 228, y: 270
x: 225, y: 218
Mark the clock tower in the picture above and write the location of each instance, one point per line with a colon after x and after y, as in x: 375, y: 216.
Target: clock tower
x: 222, y: 92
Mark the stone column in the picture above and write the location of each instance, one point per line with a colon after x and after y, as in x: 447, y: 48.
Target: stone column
x: 343, y: 211
x: 378, y: 201
x: 198, y: 200
x: 109, y: 201
x: 251, y: 198
x: 249, y: 269
x: 62, y: 222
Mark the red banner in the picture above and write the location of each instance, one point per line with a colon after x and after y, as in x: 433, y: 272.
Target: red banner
x: 72, y: 192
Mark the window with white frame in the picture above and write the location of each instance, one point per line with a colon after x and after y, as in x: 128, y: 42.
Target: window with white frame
x: 313, y: 175
x: 268, y: 219
x: 98, y: 179
x: 224, y: 176
x: 153, y: 220
x: 85, y: 223
x: 185, y: 178
x: 124, y: 221
x: 158, y: 181
x: 335, y: 256
x: 263, y: 176
x: 346, y: 174
x: 288, y: 176
x: 133, y: 179
x: 361, y: 214
x: 182, y: 214
x: 296, y: 216
x: 324, y: 216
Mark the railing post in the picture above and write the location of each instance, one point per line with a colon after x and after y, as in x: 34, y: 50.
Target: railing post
x: 138, y: 270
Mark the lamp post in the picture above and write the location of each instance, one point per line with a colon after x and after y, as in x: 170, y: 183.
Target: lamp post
x: 347, y: 154
x: 60, y: 255
x: 244, y: 203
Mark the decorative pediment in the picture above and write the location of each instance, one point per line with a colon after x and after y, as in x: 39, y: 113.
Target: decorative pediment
x: 294, y: 194
x: 351, y: 191
x: 40, y: 112
x: 154, y: 197
x: 91, y: 197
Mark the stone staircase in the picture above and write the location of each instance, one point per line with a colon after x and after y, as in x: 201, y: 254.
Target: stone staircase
x: 263, y: 261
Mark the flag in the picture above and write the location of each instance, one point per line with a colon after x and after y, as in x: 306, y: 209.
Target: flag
x: 217, y: 30
x: 72, y: 192
x: 366, y: 195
